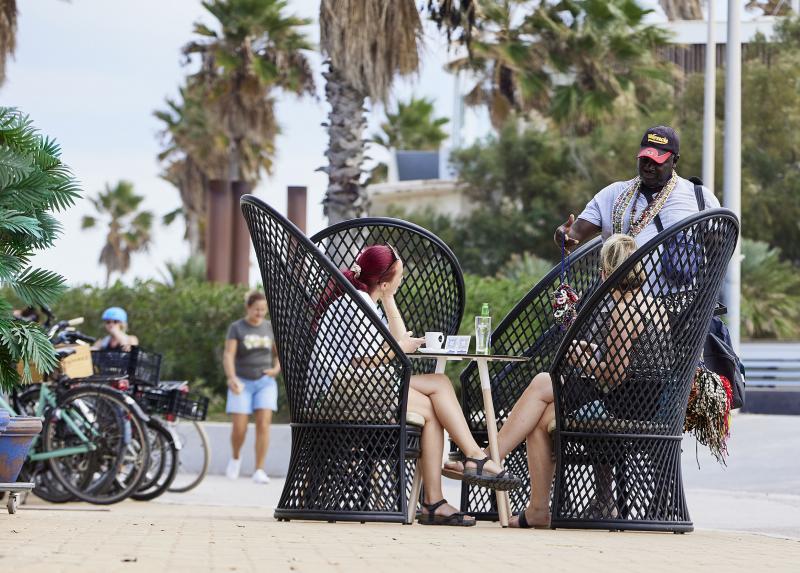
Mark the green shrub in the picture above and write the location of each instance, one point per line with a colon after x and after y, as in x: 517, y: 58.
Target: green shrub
x: 770, y: 293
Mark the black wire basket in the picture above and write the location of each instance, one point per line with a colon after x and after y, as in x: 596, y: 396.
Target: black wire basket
x: 172, y: 403
x: 139, y: 366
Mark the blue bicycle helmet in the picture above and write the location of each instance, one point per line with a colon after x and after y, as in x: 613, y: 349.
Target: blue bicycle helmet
x: 115, y: 313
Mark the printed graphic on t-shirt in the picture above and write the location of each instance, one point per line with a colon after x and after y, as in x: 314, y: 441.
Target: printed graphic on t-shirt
x: 252, y: 341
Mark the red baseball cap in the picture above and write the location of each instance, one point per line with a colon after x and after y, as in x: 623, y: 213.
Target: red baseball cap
x: 659, y: 143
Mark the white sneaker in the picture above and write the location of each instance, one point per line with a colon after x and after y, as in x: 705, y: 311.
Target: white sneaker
x: 234, y: 466
x: 260, y: 476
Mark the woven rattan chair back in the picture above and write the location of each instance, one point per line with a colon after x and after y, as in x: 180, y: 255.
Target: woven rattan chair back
x: 620, y: 409
x: 529, y: 329
x: 431, y: 296
x: 347, y: 415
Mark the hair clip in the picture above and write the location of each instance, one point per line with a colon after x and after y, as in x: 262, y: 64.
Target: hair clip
x: 356, y: 268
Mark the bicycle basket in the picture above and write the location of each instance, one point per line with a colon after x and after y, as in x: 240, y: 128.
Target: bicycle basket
x: 139, y: 366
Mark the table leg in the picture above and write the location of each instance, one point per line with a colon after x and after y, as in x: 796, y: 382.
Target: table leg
x: 503, y: 506
x: 440, y: 366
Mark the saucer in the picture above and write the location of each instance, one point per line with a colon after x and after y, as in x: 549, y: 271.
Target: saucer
x: 433, y: 350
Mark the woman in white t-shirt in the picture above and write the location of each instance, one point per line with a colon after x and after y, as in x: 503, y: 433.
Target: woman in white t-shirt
x: 347, y: 343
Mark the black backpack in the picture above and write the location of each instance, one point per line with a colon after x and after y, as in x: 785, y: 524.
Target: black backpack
x: 718, y: 355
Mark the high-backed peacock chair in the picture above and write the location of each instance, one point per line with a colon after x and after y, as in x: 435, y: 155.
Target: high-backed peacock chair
x: 431, y: 296
x: 620, y: 415
x: 529, y: 329
x: 350, y: 437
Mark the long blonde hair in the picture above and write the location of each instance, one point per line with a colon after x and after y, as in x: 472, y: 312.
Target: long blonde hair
x: 616, y: 249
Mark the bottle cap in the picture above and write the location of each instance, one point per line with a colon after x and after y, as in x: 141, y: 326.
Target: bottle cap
x: 485, y: 309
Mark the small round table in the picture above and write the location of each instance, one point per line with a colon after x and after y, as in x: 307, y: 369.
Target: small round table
x: 503, y: 507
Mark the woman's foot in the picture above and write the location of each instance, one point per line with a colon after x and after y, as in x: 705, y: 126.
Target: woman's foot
x: 443, y: 514
x: 532, y: 518
x: 484, y: 472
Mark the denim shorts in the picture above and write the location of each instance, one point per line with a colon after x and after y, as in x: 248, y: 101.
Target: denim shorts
x: 261, y: 394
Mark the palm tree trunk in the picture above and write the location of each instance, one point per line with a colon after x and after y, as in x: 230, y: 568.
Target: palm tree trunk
x: 346, y: 197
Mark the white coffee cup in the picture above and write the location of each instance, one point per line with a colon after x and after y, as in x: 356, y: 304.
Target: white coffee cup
x: 434, y: 340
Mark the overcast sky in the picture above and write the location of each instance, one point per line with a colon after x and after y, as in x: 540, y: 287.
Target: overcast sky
x: 91, y: 72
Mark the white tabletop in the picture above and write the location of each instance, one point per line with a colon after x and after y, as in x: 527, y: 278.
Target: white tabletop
x: 467, y: 356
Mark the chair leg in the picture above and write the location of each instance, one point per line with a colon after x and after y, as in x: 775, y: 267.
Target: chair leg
x: 413, y: 499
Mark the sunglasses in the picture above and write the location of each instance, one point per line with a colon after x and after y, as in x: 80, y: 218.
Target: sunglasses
x: 112, y: 321
x: 395, y: 258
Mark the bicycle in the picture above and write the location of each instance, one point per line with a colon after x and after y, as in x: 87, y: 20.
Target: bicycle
x: 92, y: 445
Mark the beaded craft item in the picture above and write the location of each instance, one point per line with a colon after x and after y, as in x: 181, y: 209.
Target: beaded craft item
x: 708, y: 411
x: 564, y: 299
x: 631, y: 195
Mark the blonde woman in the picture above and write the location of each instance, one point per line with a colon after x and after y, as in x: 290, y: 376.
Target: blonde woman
x: 534, y: 411
x: 115, y: 321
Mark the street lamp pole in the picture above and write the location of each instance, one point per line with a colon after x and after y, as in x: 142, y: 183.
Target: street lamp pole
x: 709, y: 108
x: 732, y: 184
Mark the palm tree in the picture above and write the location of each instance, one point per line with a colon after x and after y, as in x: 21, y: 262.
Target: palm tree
x: 257, y: 48
x: 412, y: 126
x: 194, y: 151
x: 572, y: 61
x: 8, y: 34
x: 367, y: 43
x: 682, y: 9
x: 128, y: 229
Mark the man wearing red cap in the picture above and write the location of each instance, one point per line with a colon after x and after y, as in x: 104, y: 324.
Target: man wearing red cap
x: 656, y: 199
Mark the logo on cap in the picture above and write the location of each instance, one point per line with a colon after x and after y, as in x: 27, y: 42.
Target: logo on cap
x: 653, y: 138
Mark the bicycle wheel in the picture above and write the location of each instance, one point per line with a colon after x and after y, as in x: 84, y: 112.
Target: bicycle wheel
x: 46, y: 487
x: 98, y: 421
x: 163, y: 462
x: 193, y: 457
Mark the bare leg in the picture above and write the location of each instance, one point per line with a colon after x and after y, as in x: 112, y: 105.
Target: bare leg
x: 438, y: 388
x: 263, y: 421
x: 540, y: 468
x: 523, y: 418
x: 238, y: 433
x: 526, y: 414
x: 432, y: 446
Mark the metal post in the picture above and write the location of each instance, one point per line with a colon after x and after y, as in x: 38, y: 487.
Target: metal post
x: 732, y: 188
x: 709, y: 109
x: 218, y: 229
x: 297, y: 201
x: 240, y: 237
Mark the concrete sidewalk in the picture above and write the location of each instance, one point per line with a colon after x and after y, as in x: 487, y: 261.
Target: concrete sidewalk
x: 150, y: 537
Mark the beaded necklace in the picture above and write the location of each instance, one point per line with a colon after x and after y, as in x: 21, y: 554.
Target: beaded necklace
x: 632, y: 194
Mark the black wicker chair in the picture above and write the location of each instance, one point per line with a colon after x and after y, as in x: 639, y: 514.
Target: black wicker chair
x: 619, y: 423
x: 431, y: 296
x: 350, y: 438
x: 529, y: 329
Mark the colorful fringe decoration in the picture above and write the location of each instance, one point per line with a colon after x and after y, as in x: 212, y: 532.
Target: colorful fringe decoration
x: 708, y: 412
x: 564, y: 299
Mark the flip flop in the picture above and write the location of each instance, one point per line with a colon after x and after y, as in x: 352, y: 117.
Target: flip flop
x: 523, y: 523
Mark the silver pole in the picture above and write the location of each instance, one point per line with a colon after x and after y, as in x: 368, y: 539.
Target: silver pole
x: 709, y: 111
x: 732, y: 185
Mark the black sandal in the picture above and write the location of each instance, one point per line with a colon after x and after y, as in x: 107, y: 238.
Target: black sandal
x: 522, y: 523
x: 431, y: 518
x: 503, y: 481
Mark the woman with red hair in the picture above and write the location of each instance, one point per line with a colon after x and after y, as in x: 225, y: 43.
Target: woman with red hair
x: 345, y: 342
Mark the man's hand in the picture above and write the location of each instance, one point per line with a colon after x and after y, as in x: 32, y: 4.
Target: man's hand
x: 582, y: 353
x: 564, y: 232
x: 409, y: 344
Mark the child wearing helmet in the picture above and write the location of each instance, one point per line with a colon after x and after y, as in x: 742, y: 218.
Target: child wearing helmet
x: 115, y: 321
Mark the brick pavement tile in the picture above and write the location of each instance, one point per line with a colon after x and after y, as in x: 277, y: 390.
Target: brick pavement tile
x: 147, y: 538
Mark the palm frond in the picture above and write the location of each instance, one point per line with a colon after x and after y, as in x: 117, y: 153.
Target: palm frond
x: 37, y: 287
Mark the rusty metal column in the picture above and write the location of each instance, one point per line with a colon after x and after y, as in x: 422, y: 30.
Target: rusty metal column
x: 218, y: 231
x: 240, y: 237
x: 296, y: 206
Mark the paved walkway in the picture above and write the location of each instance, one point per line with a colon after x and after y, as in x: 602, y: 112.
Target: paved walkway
x: 151, y: 537
x: 747, y: 518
